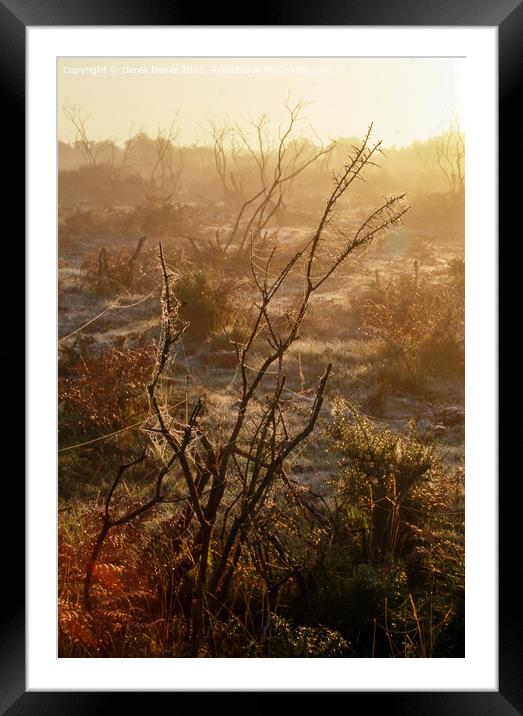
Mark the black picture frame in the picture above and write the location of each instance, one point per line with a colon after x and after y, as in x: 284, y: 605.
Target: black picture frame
x: 15, y: 17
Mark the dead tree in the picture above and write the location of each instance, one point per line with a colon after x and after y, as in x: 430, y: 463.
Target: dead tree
x: 92, y: 151
x: 164, y: 166
x: 450, y: 156
x: 276, y: 166
x: 257, y: 211
x: 226, y: 476
x: 263, y: 149
x: 121, y: 160
x: 219, y: 134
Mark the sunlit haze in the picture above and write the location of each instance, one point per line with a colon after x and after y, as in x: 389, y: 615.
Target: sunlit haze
x: 407, y: 98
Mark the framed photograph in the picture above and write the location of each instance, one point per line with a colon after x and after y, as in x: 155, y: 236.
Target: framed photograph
x: 261, y: 269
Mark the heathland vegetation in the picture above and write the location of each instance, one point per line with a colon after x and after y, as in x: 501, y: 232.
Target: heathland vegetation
x: 261, y: 395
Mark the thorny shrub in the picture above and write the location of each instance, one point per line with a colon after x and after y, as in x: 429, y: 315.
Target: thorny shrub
x: 396, y: 559
x: 421, y: 323
x: 209, y: 300
x: 161, y: 216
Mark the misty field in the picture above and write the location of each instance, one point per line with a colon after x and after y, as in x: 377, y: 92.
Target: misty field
x: 261, y: 395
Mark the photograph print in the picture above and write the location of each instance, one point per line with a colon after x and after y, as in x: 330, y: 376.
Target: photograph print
x: 261, y: 369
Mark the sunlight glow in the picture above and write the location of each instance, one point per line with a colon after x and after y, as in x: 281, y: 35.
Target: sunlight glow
x: 407, y: 98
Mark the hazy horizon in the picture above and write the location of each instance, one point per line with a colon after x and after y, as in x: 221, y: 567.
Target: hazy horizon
x: 411, y: 99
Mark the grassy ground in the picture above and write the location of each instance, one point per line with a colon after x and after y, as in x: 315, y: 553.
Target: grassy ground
x: 384, y: 322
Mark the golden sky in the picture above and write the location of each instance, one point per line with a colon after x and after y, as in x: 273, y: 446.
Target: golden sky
x: 407, y: 99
